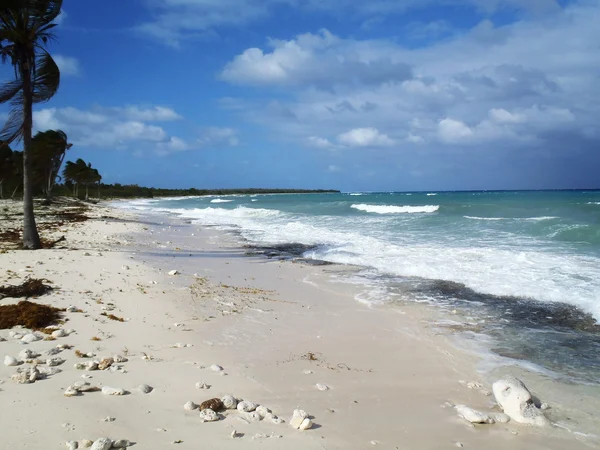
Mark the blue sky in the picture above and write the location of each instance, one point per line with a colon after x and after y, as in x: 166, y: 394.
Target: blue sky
x: 347, y: 94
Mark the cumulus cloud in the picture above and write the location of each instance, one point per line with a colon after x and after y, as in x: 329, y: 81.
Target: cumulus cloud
x: 364, y: 137
x: 67, y: 64
x: 502, y: 85
x: 322, y: 60
x: 107, y: 128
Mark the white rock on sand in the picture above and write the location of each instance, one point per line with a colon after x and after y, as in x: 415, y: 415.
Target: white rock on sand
x: 229, y: 402
x: 473, y: 416
x: 208, y: 415
x: 10, y: 361
x: 202, y: 385
x: 190, y: 406
x: 102, y: 444
x: 516, y: 401
x: 322, y: 387
x: 173, y: 272
x: 145, y: 389
x: 246, y: 406
x: 300, y: 420
x: 112, y: 391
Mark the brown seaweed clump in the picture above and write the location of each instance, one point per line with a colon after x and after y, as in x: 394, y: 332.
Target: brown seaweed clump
x: 29, y: 315
x: 113, y: 317
x: 214, y: 403
x: 32, y: 287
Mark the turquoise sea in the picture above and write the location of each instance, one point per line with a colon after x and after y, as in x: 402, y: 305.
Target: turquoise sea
x: 523, y: 266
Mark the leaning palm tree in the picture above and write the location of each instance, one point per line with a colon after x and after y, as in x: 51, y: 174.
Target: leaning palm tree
x: 25, y: 29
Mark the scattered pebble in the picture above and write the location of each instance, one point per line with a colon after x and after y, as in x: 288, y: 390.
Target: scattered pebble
x: 202, y: 385
x: 473, y: 416
x: 300, y: 420
x: 102, y: 444
x: 145, y: 389
x: 173, y: 272
x: 10, y: 361
x: 106, y: 390
x: 322, y: 387
x: 72, y: 445
x: 216, y: 368
x: 86, y: 443
x: 208, y: 415
x: 108, y: 419
x: 229, y: 401
x: 263, y: 411
x: 190, y: 406
x: 59, y: 333
x: 246, y: 406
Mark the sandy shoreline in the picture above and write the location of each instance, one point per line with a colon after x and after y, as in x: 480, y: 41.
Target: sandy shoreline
x: 388, y: 375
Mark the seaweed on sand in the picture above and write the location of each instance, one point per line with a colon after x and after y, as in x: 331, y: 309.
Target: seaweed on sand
x: 29, y: 315
x: 32, y: 287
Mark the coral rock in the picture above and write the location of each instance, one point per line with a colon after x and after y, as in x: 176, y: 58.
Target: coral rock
x: 214, y: 403
x: 91, y: 365
x: 246, y: 406
x: 102, y: 444
x: 85, y: 443
x: 105, y: 363
x: 473, y: 416
x: 305, y: 425
x: 29, y: 338
x: 83, y: 386
x: 71, y: 392
x: 208, y: 415
x: 72, y: 445
x: 10, y: 361
x: 252, y: 416
x: 515, y: 400
x: 53, y: 351
x: 229, y: 402
x: 216, y: 368
x: 120, y: 359
x: 54, y: 362
x: 190, y: 406
x: 145, y: 389
x: 263, y: 411
x: 298, y: 418
x: 28, y: 354
x: 59, y: 333
x: 112, y: 391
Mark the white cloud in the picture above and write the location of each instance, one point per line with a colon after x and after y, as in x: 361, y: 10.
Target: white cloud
x: 364, y: 137
x: 321, y: 60
x: 218, y: 137
x: 151, y: 114
x: 499, y: 85
x: 319, y: 142
x: 67, y: 64
x: 100, y: 127
x: 173, y: 145
x: 454, y: 131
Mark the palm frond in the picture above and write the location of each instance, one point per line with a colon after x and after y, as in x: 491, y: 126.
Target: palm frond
x: 47, y: 78
x: 10, y: 89
x: 13, y: 128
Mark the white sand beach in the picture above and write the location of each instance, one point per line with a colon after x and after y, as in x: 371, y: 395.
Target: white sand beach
x: 277, y: 329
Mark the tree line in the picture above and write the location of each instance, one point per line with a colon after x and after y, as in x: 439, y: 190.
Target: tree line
x: 48, y: 151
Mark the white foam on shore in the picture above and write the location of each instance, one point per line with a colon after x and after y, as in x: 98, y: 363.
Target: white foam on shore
x: 220, y: 200
x: 431, y: 194
x: 390, y: 209
x: 531, y: 219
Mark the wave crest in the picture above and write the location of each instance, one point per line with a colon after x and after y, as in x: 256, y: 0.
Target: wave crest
x: 391, y: 209
x: 220, y: 200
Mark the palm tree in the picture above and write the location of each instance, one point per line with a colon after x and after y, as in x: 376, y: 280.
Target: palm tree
x: 6, y: 164
x: 25, y: 29
x: 49, y: 149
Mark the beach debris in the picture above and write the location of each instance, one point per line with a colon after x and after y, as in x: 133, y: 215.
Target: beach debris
x: 190, y: 406
x: 102, y: 444
x: 53, y: 351
x: 28, y: 314
x: 235, y: 434
x: 300, y: 420
x: 54, y: 362
x: 208, y: 415
x: 473, y: 416
x: 266, y: 436
x: 108, y: 419
x: 120, y: 359
x: 105, y: 363
x: 31, y: 337
x: 72, y: 445
x: 124, y: 267
x: 48, y: 371
x: 322, y: 387
x: 173, y: 272
x: 262, y: 411
x: 145, y: 388
x: 229, y: 401
x: 31, y: 287
x: 10, y: 361
x: 202, y: 385
x: 307, y: 372
x: 246, y: 406
x: 28, y: 354
x: 27, y: 376
x: 252, y: 416
x: 516, y: 401
x: 181, y: 345
x: 106, y: 390
x: 59, y: 333
x: 72, y: 309
x: 214, y: 403
x: 91, y: 365
x: 71, y: 392
x: 216, y: 368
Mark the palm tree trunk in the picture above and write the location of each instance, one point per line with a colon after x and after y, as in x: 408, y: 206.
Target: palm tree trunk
x: 15, y: 191
x: 98, y: 191
x: 1, y: 190
x: 87, y: 194
x: 31, y: 238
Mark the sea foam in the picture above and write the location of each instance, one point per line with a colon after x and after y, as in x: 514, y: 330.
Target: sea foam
x: 390, y: 209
